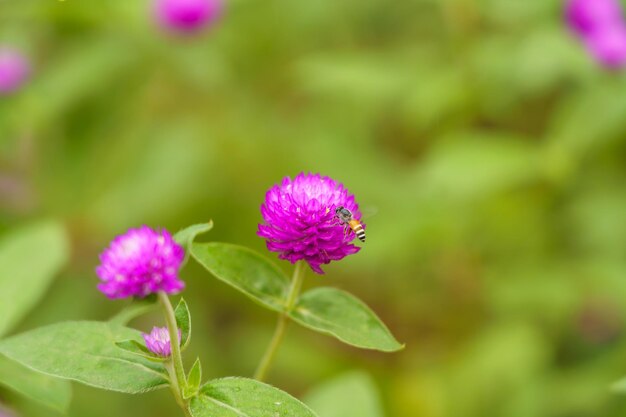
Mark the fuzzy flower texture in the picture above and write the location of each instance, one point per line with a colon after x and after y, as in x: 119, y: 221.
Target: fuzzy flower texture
x: 141, y: 262
x: 158, y: 341
x: 601, y: 26
x: 301, y: 224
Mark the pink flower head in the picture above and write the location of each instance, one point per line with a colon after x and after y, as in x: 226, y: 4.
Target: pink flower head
x: 301, y: 223
x: 140, y: 262
x: 187, y: 15
x: 608, y: 46
x: 158, y: 341
x: 14, y: 70
x: 587, y: 16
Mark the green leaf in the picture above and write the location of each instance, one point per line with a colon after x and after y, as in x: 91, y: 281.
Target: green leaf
x: 329, y: 399
x: 136, y: 309
x: 85, y: 352
x: 193, y: 380
x: 242, y: 397
x: 30, y: 257
x: 186, y: 236
x: 138, y: 348
x: 245, y: 270
x: 183, y: 322
x: 340, y: 314
x: 51, y: 392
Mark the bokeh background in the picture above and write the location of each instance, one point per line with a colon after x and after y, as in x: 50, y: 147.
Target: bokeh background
x: 491, y: 146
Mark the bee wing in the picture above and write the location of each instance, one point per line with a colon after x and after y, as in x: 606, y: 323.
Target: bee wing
x: 367, y: 212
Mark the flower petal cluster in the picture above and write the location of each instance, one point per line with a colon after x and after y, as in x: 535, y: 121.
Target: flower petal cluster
x: 300, y: 221
x: 158, y: 341
x: 187, y: 16
x: 601, y: 26
x: 141, y: 262
x: 14, y: 70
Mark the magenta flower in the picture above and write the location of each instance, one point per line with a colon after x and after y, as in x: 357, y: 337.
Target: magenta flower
x: 600, y: 25
x: 14, y: 70
x: 608, y: 46
x: 187, y: 15
x: 158, y: 341
x: 301, y: 223
x: 140, y: 262
x: 588, y: 16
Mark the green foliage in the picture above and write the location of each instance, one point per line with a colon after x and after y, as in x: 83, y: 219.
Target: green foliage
x: 134, y: 310
x: 194, y: 379
x: 340, y: 314
x: 186, y: 236
x: 326, y: 310
x: 492, y: 145
x: 246, y: 271
x: 183, y: 322
x: 352, y: 394
x: 85, y: 352
x: 229, y: 397
x: 51, y: 392
x: 138, y: 348
x: 30, y: 257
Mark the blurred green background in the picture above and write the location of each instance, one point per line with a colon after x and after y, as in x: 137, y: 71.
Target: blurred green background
x: 492, y: 147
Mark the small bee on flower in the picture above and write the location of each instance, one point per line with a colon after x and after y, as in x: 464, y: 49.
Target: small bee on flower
x: 347, y: 219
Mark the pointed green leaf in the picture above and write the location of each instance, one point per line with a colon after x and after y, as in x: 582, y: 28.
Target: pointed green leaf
x: 85, y: 352
x: 183, y: 322
x: 342, y: 315
x: 329, y: 399
x: 242, y: 397
x: 51, y: 392
x: 186, y: 236
x: 245, y: 270
x: 138, y: 348
x: 30, y: 257
x: 193, y: 380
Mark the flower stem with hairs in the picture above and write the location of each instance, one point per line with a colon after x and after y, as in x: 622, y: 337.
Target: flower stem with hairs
x: 174, y: 365
x: 283, y: 319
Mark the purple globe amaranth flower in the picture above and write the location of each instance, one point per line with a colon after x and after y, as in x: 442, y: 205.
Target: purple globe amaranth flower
x: 588, y: 16
x: 608, y: 46
x: 187, y: 16
x: 300, y: 220
x: 14, y: 70
x: 158, y: 341
x: 140, y: 262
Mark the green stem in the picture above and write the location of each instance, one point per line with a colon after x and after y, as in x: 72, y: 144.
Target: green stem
x: 281, y: 325
x: 174, y: 365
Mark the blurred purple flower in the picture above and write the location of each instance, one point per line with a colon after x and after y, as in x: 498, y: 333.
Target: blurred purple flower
x: 187, y: 15
x: 141, y: 262
x: 608, y: 46
x: 14, y: 70
x: 158, y: 341
x: 300, y: 220
x: 601, y: 26
x: 5, y: 413
x: 588, y: 16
